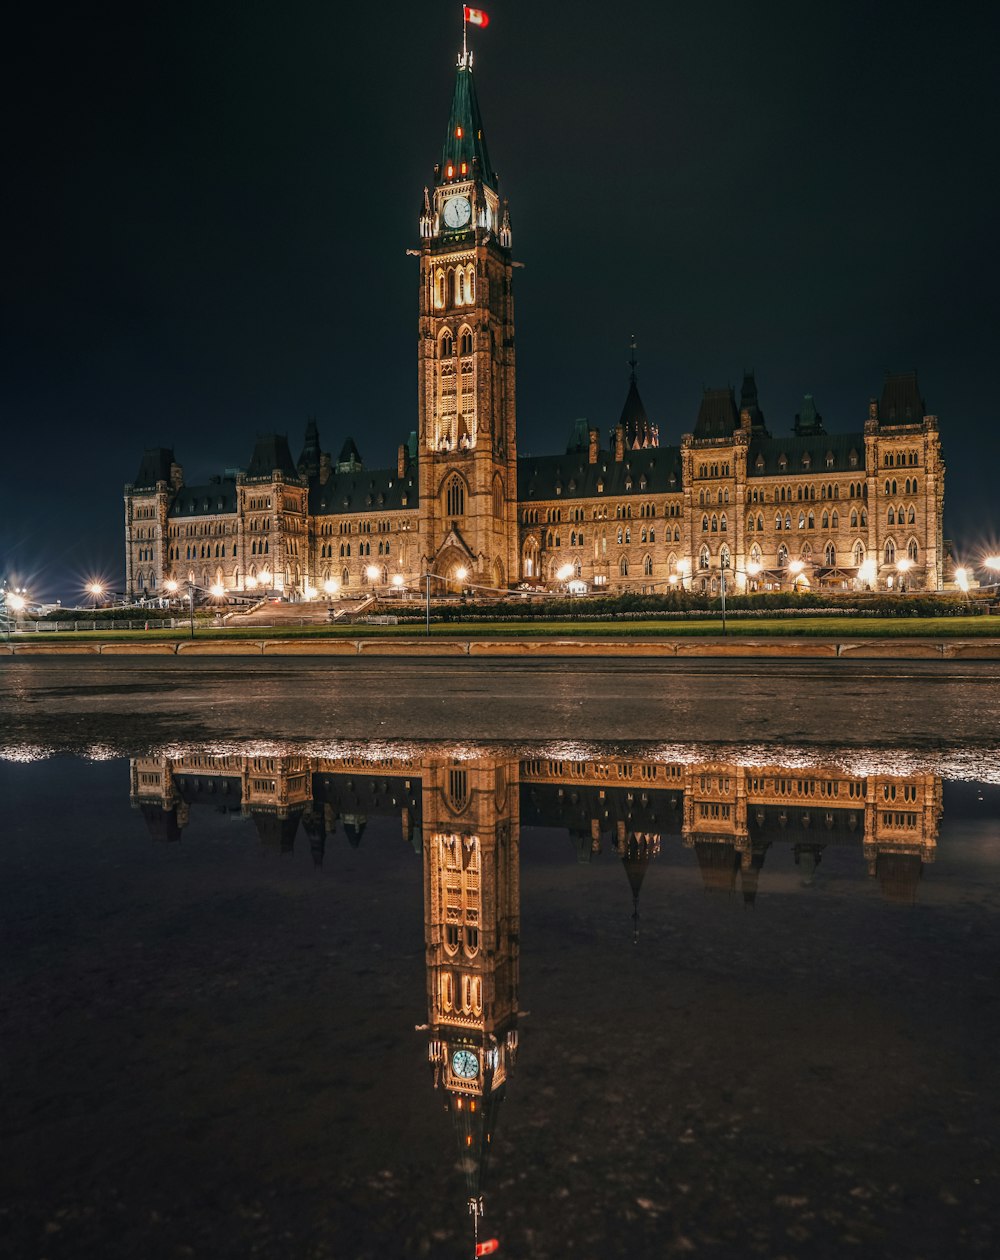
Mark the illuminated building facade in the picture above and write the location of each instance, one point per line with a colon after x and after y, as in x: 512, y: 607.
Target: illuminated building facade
x: 847, y: 510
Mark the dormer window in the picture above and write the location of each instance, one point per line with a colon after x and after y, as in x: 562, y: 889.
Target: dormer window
x: 829, y: 459
x: 782, y: 462
x: 806, y: 459
x: 852, y: 459
x: 759, y: 463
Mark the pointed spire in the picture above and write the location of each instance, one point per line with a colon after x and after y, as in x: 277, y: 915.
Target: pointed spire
x: 634, y: 422
x: 465, y: 155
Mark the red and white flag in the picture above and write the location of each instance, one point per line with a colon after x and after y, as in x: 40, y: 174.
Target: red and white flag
x: 476, y: 17
x: 491, y: 1245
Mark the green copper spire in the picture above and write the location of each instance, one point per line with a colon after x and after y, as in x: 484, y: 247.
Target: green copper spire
x: 465, y: 155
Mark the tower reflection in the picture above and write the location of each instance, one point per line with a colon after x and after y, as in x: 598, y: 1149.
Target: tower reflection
x: 462, y: 811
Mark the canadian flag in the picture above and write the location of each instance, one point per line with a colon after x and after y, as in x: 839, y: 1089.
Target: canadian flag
x: 491, y: 1245
x: 476, y: 17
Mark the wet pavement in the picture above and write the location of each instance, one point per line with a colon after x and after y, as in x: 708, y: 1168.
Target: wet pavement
x: 70, y: 704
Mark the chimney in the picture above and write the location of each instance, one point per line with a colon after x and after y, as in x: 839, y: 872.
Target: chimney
x: 176, y: 476
x: 324, y: 467
x: 619, y: 443
x: 402, y: 458
x: 873, y: 410
x: 595, y: 446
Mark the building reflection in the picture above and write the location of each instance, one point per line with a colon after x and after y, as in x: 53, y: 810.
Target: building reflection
x: 463, y: 815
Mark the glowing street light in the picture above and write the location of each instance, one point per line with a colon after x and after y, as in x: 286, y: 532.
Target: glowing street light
x: 217, y: 590
x: 461, y: 573
x: 251, y: 582
x: 171, y: 586
x: 15, y: 602
x: 95, y: 590
x: 796, y: 567
x: 565, y: 573
x: 331, y: 586
x: 868, y: 571
x: 962, y: 580
x: 372, y: 573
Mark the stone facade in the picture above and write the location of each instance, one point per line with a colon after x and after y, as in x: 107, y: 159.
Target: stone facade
x: 730, y: 503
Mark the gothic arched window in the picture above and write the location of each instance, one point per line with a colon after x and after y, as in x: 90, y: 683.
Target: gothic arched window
x: 455, y: 497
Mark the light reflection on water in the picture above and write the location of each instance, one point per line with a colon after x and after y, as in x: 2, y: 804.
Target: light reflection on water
x: 761, y: 992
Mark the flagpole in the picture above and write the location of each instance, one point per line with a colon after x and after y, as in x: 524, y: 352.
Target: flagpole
x: 465, y: 51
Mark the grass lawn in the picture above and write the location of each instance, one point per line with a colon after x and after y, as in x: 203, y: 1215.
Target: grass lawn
x: 790, y: 627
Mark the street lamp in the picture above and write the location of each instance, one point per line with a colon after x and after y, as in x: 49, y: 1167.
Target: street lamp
x: 95, y: 590
x: 331, y: 586
x: 962, y: 580
x: 903, y: 565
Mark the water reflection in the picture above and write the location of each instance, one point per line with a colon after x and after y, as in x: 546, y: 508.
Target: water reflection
x: 464, y: 814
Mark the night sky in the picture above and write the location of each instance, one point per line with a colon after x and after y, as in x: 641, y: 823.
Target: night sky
x: 208, y: 207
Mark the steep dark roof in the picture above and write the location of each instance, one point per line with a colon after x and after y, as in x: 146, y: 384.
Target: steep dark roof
x: 748, y: 402
x: 155, y: 467
x: 638, y: 431
x: 309, y: 459
x: 901, y: 402
x: 349, y: 459
x: 717, y: 415
x: 465, y: 140
x: 767, y: 453
x: 808, y: 421
x: 208, y: 500
x: 570, y: 476
x: 271, y: 452
x: 379, y: 490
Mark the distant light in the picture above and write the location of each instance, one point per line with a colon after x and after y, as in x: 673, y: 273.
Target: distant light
x: 458, y: 133
x: 565, y: 573
x: 217, y: 589
x: 265, y: 577
x: 461, y: 573
x: 95, y: 589
x: 251, y: 583
x: 683, y: 567
x: 904, y: 564
x: 308, y: 591
x: 992, y: 562
x: 962, y: 579
x: 372, y: 573
x: 868, y: 571
x: 753, y: 568
x: 796, y: 566
x: 16, y: 603
x: 331, y: 585
x: 170, y: 586
x: 397, y: 579
x: 673, y: 579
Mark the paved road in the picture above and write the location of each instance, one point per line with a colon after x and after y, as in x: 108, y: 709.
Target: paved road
x: 128, y: 705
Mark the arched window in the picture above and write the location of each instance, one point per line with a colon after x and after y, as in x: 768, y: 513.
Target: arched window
x: 647, y: 565
x: 835, y: 519
x: 439, y: 289
x: 725, y: 558
x: 470, y: 285
x: 642, y: 534
x: 864, y: 518
x: 628, y: 533
x: 460, y: 287
x: 859, y: 554
x: 826, y: 519
x: 782, y: 557
x: 911, y: 516
x: 802, y: 520
x: 498, y: 498
x: 890, y: 551
x: 620, y: 536
x: 455, y: 497
x: 704, y: 524
x: 750, y: 524
x: 788, y: 520
x: 345, y: 577
x: 465, y: 342
x: 912, y: 550
x: 703, y: 558
x: 854, y: 518
x: 830, y: 554
x: 652, y: 534
x: 723, y: 523
x: 715, y: 524
x: 623, y: 566
x: 447, y: 345
x: 756, y: 556
x: 777, y: 521
x: 890, y: 518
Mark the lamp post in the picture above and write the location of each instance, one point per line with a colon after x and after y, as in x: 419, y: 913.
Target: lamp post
x: 461, y: 574
x: 903, y: 565
x: 95, y: 590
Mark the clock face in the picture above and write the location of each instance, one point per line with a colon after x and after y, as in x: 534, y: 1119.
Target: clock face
x: 457, y: 212
x: 465, y: 1064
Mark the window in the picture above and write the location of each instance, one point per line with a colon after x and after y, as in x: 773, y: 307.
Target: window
x: 465, y: 342
x: 647, y: 566
x: 890, y: 551
x: 859, y: 554
x: 623, y: 566
x: 703, y: 558
x: 830, y: 555
x: 455, y: 497
x: 912, y: 550
x: 447, y: 346
x: 782, y: 557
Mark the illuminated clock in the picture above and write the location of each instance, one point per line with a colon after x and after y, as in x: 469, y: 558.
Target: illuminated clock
x: 457, y: 212
x: 465, y: 1064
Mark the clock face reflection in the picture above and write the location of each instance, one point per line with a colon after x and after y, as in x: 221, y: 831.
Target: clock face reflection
x: 465, y: 1064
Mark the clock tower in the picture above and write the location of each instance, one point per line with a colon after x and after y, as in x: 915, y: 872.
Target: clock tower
x: 468, y: 453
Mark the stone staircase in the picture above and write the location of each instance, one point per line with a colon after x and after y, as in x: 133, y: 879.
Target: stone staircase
x: 316, y: 612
